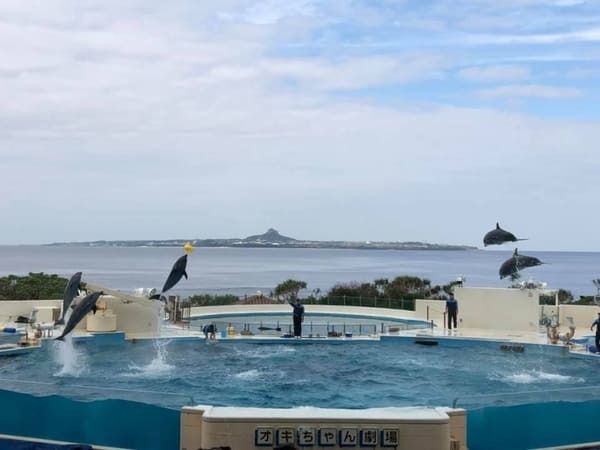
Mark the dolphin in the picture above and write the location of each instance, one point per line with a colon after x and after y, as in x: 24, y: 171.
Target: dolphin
x: 517, y: 262
x: 499, y: 236
x: 87, y: 304
x: 71, y: 291
x: 177, y: 272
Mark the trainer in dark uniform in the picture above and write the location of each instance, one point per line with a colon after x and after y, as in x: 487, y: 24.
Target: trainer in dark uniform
x: 298, y: 317
x: 451, y: 311
x: 596, y: 324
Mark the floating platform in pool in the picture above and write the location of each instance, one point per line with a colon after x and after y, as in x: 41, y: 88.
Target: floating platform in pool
x: 17, y: 349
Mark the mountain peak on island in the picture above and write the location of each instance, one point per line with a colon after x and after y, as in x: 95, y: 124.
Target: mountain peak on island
x: 271, y: 236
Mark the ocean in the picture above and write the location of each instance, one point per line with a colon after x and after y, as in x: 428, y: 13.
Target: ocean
x: 242, y: 271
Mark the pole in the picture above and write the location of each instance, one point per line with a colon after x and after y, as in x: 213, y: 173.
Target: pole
x: 557, y: 308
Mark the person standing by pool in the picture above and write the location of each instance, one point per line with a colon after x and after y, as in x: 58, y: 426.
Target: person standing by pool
x: 298, y: 316
x: 209, y: 331
x: 596, y: 324
x: 451, y: 311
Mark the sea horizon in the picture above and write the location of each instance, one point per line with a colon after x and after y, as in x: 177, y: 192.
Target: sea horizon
x: 239, y: 271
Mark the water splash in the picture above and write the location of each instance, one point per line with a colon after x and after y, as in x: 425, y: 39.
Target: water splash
x: 71, y: 360
x: 158, y: 367
x: 159, y: 363
x: 531, y: 377
x: 264, y: 352
x: 252, y: 374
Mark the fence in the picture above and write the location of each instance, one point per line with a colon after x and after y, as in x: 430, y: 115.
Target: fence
x: 373, y: 302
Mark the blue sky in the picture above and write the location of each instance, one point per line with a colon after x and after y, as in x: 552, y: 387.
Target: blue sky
x: 351, y: 120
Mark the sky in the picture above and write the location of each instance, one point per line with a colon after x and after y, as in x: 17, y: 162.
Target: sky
x: 414, y: 120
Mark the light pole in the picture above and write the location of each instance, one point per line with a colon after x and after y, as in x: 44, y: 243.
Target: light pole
x: 597, y: 284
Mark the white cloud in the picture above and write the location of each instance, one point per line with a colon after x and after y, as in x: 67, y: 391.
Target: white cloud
x: 530, y: 90
x: 356, y: 72
x: 495, y: 73
x: 272, y: 11
x: 587, y: 35
x: 168, y: 120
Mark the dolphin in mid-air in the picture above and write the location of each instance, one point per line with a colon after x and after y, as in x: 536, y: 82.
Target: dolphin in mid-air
x: 499, y: 236
x: 71, y: 292
x: 177, y: 272
x: 87, y: 304
x: 517, y: 262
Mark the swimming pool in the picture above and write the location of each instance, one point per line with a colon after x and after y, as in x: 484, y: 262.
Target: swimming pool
x: 315, y: 324
x: 393, y: 372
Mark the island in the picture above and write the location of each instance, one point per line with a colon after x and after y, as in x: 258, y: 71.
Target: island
x: 271, y: 239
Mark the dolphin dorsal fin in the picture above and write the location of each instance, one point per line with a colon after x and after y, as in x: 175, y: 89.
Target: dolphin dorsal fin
x: 497, y: 226
x: 516, y: 252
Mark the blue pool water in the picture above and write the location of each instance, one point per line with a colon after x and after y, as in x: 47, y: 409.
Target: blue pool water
x: 134, y: 390
x: 354, y: 375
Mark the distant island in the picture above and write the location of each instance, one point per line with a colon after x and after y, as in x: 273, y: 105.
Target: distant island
x: 272, y: 239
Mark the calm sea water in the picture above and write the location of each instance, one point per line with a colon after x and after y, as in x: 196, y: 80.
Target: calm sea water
x: 245, y: 271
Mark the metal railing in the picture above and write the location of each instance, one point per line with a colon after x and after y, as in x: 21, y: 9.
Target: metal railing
x: 309, y: 327
x: 373, y: 302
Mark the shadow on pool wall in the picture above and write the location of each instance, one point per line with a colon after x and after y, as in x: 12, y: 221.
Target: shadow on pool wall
x: 531, y: 426
x: 116, y: 423
x: 128, y: 424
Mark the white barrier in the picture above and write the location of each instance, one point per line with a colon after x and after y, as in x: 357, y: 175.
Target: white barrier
x: 206, y: 427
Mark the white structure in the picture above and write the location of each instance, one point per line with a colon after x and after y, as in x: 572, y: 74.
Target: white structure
x: 375, y: 428
x: 138, y: 317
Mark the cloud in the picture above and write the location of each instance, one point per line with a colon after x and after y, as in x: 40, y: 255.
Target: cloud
x: 168, y: 120
x: 530, y: 90
x: 494, y: 73
x: 587, y: 35
x: 357, y: 72
x: 272, y: 11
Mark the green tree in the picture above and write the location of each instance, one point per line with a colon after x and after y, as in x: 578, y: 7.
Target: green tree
x: 35, y: 286
x: 381, y: 284
x: 354, y: 289
x: 289, y: 289
x: 408, y: 287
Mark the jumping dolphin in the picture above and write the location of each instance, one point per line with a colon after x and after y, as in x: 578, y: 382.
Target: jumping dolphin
x: 87, y: 304
x: 499, y: 236
x: 517, y: 262
x: 71, y: 291
x: 177, y: 272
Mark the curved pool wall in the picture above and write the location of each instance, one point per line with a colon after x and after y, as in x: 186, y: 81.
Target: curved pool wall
x: 221, y: 315
x: 316, y: 323
x: 531, y: 426
x: 127, y: 424
x: 113, y: 423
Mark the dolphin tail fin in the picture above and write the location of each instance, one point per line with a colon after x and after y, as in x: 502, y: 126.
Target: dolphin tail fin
x: 60, y: 338
x: 185, y: 275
